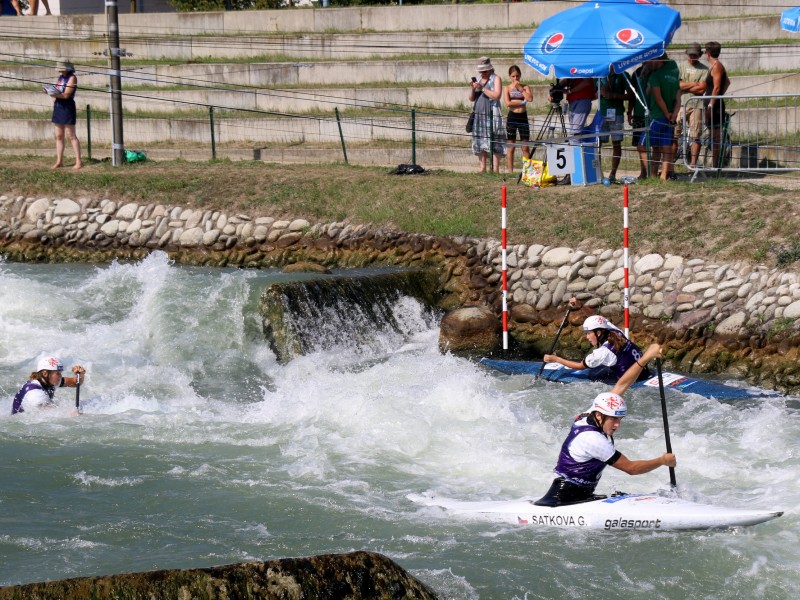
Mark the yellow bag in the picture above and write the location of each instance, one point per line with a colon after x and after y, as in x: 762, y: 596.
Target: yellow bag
x: 534, y: 172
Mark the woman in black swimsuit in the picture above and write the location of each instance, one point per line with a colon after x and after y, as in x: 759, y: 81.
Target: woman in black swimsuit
x: 516, y: 96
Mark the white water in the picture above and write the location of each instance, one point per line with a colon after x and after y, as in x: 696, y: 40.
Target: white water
x: 196, y: 448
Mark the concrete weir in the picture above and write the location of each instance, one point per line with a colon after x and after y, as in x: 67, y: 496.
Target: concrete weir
x: 299, y: 316
x: 355, y: 575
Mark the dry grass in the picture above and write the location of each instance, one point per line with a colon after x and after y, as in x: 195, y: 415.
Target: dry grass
x: 721, y: 220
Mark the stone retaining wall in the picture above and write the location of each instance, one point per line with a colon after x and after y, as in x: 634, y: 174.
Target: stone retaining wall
x: 736, y: 318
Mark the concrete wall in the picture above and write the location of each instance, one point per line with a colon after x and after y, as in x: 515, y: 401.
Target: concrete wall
x: 381, y: 18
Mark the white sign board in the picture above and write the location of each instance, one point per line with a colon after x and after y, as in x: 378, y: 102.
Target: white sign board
x: 560, y: 160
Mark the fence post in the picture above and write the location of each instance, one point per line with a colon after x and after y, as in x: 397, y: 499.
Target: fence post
x: 341, y: 136
x: 413, y: 136
x: 213, y: 141
x: 89, y: 130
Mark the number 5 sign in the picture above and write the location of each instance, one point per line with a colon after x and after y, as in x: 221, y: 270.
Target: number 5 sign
x: 560, y: 160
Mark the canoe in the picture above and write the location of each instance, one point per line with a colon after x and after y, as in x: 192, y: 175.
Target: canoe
x: 621, y: 512
x: 672, y: 381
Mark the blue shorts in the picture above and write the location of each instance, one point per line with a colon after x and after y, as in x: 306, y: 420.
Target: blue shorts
x: 662, y: 132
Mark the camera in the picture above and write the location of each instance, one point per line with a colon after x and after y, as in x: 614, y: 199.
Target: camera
x: 557, y: 93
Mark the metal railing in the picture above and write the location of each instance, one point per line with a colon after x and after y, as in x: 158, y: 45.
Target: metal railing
x: 755, y: 134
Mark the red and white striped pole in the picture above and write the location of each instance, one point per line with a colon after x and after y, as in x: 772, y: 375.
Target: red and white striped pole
x: 626, y: 290
x: 504, y: 241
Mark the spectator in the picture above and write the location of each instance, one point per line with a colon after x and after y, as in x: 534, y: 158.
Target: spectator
x: 11, y: 8
x: 35, y: 7
x: 693, y: 81
x: 65, y: 112
x: 488, y: 133
x: 636, y: 117
x: 580, y: 93
x: 613, y: 93
x: 664, y: 102
x: 717, y: 84
x: 516, y: 96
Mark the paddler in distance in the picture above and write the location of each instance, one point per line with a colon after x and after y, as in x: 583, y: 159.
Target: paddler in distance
x: 589, y: 446
x: 611, y: 348
x: 40, y: 389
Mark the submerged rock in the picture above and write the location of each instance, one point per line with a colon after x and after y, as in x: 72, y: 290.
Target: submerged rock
x: 356, y: 576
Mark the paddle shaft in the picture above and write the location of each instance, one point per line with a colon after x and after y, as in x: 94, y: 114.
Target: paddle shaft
x: 672, y: 481
x: 77, y: 390
x: 555, y: 340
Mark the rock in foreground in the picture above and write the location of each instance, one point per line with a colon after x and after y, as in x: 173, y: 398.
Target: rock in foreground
x: 356, y: 575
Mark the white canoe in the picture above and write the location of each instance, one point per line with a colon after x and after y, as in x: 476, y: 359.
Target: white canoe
x: 623, y: 512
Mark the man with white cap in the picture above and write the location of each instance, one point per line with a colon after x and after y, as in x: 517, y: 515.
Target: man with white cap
x: 589, y: 446
x: 40, y: 389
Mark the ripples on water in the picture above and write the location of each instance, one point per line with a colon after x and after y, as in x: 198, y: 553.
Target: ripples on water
x: 196, y: 449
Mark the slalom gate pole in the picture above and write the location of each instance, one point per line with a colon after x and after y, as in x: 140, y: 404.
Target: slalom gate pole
x: 625, y: 262
x: 503, y: 245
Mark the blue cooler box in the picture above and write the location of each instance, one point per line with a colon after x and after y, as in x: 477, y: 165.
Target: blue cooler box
x: 587, y: 165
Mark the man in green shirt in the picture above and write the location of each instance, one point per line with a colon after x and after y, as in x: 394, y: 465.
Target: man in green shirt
x: 664, y: 102
x: 613, y: 93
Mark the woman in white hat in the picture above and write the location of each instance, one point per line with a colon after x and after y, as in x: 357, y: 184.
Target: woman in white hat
x: 40, y: 388
x: 488, y: 133
x: 65, y: 113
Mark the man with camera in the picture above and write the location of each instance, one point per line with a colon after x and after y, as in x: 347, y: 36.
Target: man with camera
x: 580, y: 93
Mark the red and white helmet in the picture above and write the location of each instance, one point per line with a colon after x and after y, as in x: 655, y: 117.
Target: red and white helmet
x: 596, y: 322
x: 609, y: 404
x: 49, y: 363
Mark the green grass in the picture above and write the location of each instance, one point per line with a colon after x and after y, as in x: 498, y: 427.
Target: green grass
x: 721, y: 220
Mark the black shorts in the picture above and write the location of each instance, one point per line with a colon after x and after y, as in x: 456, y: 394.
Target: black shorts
x: 518, y: 122
x: 714, y: 120
x: 638, y: 137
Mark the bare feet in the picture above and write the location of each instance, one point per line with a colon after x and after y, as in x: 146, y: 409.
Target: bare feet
x: 58, y: 165
x: 78, y: 165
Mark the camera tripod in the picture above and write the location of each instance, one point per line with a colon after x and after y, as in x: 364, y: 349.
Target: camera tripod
x: 555, y: 117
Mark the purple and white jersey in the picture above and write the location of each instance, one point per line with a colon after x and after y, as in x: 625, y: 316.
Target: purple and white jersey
x: 604, y: 356
x: 584, y: 454
x: 33, y: 395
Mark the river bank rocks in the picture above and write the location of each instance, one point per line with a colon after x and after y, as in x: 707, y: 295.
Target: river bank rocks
x: 736, y: 318
x: 356, y: 575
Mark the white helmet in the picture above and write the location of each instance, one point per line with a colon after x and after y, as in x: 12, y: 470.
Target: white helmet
x: 596, y: 322
x: 49, y: 363
x: 609, y: 404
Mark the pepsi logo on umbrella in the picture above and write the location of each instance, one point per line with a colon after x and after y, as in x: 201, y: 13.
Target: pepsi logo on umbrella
x: 630, y: 38
x: 552, y: 43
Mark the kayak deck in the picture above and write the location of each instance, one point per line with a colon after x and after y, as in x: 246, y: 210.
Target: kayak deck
x: 622, y: 512
x: 672, y: 381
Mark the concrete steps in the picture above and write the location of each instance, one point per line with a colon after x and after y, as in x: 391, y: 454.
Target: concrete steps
x: 323, y: 101
x: 330, y: 58
x: 354, y: 45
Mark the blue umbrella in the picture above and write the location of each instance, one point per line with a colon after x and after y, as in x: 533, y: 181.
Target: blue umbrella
x: 583, y: 41
x: 790, y: 19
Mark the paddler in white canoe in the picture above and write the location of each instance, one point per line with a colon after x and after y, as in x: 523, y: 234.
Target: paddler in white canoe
x: 611, y: 348
x: 589, y: 446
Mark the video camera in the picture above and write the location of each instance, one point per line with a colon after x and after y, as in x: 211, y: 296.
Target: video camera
x: 557, y: 92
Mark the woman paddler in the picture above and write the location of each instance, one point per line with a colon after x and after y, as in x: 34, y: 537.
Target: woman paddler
x: 611, y: 348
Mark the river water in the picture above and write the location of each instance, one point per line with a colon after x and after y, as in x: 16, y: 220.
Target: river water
x: 196, y: 448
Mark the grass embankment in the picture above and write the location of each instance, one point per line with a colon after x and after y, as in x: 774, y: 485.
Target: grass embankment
x: 722, y: 220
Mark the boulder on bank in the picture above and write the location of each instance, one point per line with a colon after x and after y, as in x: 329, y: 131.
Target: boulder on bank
x: 355, y: 575
x: 306, y: 267
x: 470, y: 329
